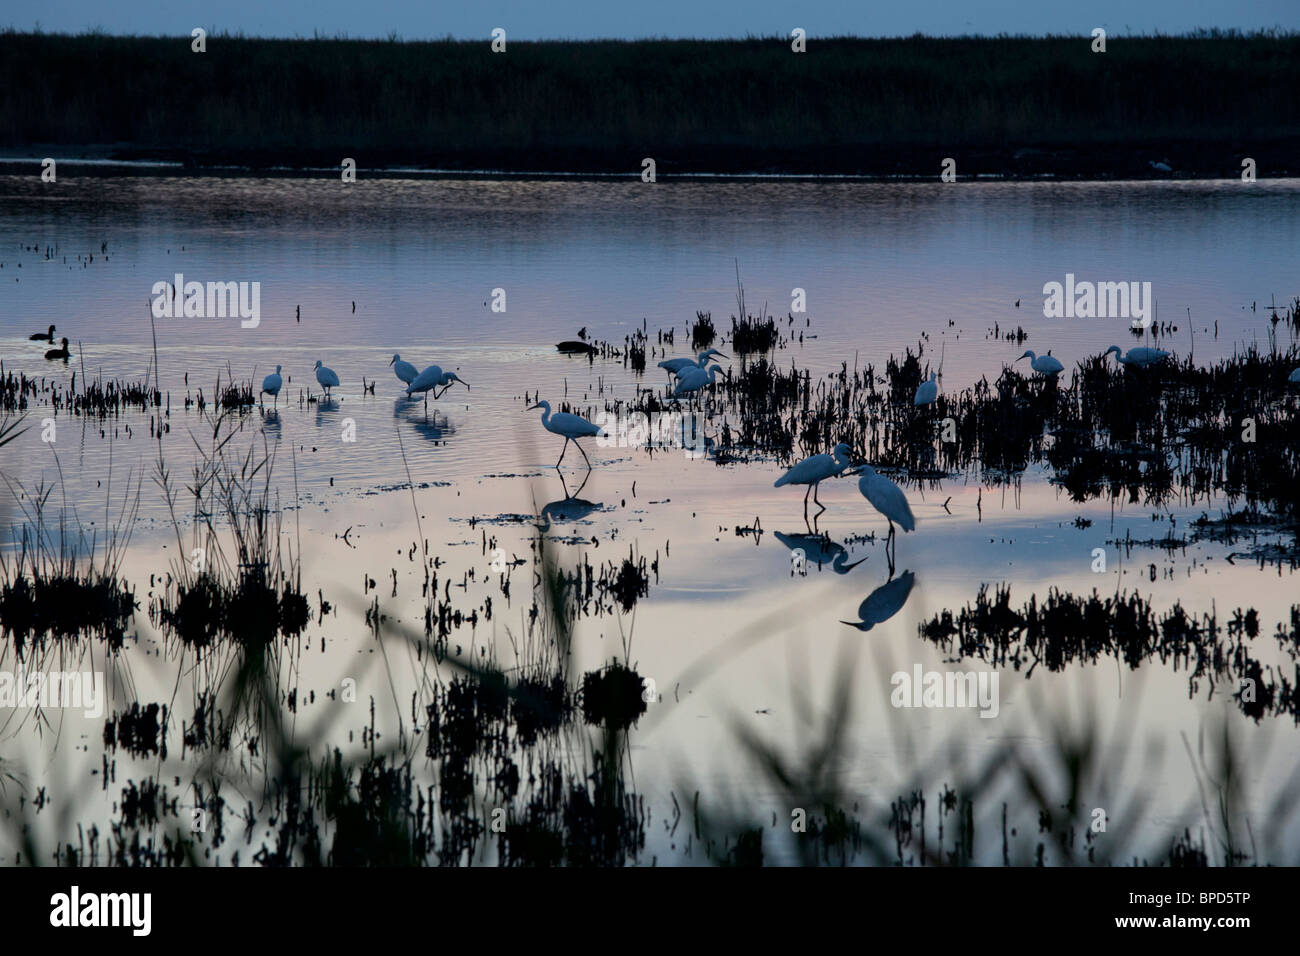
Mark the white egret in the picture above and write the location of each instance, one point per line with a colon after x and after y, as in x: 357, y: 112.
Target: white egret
x: 1294, y: 377
x: 59, y: 353
x: 884, y: 602
x: 42, y: 336
x: 1160, y: 167
x: 1139, y: 357
x: 433, y: 378
x: 691, y: 380
x: 271, y: 385
x: 572, y: 427
x: 404, y: 370
x: 1043, y: 364
x: 887, y: 498
x: 327, y: 378
x: 812, y: 471
x: 926, y: 392
x: 675, y: 366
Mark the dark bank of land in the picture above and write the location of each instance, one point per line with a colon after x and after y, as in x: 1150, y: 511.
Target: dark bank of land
x: 1008, y: 106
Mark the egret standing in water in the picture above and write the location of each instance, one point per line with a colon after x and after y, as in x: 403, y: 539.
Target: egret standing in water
x: 887, y: 498
x: 572, y: 427
x: 813, y: 471
x: 327, y: 378
x: 404, y: 370
x: 271, y: 385
x: 1043, y: 364
x: 1138, y: 358
x: 926, y: 392
x: 433, y: 378
x: 677, y: 365
x: 691, y: 380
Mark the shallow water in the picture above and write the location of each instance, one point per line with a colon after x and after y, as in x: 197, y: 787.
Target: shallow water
x: 882, y: 265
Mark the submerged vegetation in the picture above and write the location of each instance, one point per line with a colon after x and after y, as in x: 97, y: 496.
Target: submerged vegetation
x: 1065, y: 629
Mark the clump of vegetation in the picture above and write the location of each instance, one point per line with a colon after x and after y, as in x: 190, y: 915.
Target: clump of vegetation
x: 613, y: 696
x: 37, y: 607
x: 56, y: 584
x: 703, y: 333
x: 249, y: 610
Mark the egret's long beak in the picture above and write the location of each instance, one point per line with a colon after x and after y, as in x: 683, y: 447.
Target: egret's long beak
x: 720, y: 355
x: 531, y: 407
x: 462, y: 381
x: 850, y: 567
x: 392, y: 360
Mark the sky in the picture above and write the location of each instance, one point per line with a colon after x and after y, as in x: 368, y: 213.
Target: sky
x: 588, y: 19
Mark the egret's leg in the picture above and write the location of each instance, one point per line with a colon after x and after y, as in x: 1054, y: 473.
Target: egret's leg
x: 805, y: 504
x: 818, y: 503
x: 562, y: 451
x: 584, y: 454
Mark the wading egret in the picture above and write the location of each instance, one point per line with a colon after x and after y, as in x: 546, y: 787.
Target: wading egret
x: 1294, y: 377
x: 404, y: 370
x: 326, y: 377
x: 1043, y: 364
x: 675, y: 366
x: 813, y: 471
x: 572, y: 427
x: 59, y: 353
x: 1160, y: 167
x: 926, y: 392
x: 887, y: 498
x: 43, y: 336
x: 271, y: 385
x: 1139, y: 358
x: 884, y: 602
x: 691, y: 380
x: 431, y: 379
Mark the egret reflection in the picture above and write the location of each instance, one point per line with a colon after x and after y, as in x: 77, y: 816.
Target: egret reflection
x: 820, y: 550
x: 884, y: 602
x: 566, y: 510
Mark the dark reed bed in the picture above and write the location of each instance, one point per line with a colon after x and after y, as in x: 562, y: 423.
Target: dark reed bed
x: 1009, y: 105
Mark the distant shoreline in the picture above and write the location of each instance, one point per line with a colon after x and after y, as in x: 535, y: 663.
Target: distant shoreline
x: 1002, y: 108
